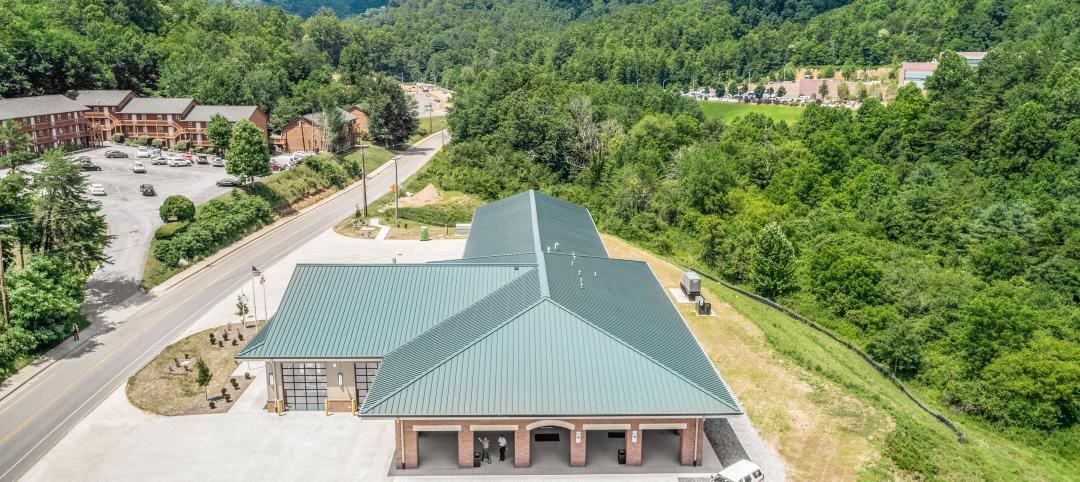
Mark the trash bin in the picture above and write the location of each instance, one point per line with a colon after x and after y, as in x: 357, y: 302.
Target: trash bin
x: 622, y: 456
x: 476, y: 459
x: 423, y: 233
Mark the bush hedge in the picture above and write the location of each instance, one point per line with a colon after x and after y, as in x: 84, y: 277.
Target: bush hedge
x: 144, y: 140
x: 158, y: 143
x: 218, y: 224
x: 118, y: 138
x: 178, y: 207
x: 169, y: 230
x: 183, y: 145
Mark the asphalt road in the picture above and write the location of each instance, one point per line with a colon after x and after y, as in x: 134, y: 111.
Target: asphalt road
x: 38, y: 414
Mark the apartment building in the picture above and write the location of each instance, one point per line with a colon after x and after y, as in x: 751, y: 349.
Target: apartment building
x: 195, y: 122
x: 102, y: 106
x: 51, y: 121
x: 304, y: 134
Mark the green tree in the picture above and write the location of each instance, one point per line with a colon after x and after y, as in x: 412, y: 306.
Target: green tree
x: 332, y: 127
x: 177, y: 208
x: 242, y: 308
x: 1038, y: 386
x: 823, y: 90
x: 219, y: 131
x: 203, y: 376
x: 16, y: 142
x: 45, y: 296
x: 781, y: 91
x: 68, y: 223
x: 899, y: 348
x: 774, y: 262
x: 247, y: 155
x: 353, y: 64
x: 759, y: 90
x: 393, y: 114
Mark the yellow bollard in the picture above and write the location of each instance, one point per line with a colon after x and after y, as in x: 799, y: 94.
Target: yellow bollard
x: 278, y: 407
x: 354, y: 407
x: 326, y: 406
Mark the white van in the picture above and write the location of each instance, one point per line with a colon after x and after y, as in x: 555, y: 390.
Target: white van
x: 143, y: 152
x: 741, y: 471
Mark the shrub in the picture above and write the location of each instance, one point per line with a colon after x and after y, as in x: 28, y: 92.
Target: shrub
x: 224, y: 391
x: 235, y: 343
x: 228, y: 398
x: 158, y: 143
x: 183, y: 145
x: 240, y: 336
x: 327, y: 167
x: 247, y: 376
x: 169, y: 230
x: 212, y: 405
x: 225, y: 335
x: 177, y: 208
x: 118, y: 138
x: 143, y: 141
x: 353, y: 168
x: 221, y: 344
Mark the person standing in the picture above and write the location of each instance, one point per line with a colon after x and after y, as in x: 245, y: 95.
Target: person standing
x: 502, y: 448
x: 486, y: 444
x: 75, y: 330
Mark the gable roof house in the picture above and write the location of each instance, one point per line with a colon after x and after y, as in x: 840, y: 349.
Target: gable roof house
x: 534, y: 329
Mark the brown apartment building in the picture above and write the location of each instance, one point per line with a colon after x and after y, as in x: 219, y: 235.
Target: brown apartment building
x: 51, y: 120
x: 303, y: 134
x: 169, y: 119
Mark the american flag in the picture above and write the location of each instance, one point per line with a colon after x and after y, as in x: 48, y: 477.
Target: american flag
x: 262, y: 280
x: 255, y: 273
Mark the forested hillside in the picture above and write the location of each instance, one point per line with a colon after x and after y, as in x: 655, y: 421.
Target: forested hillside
x: 307, y: 8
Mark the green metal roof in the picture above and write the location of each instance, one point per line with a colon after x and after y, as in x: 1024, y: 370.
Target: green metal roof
x: 545, y: 361
x: 546, y: 330
x: 353, y: 311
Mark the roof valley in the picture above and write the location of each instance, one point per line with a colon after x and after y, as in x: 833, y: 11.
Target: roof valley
x: 537, y: 249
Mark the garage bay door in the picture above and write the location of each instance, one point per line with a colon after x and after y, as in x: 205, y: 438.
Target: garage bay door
x: 304, y: 384
x: 365, y: 376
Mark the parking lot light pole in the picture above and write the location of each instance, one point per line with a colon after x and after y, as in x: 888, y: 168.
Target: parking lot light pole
x: 396, y: 189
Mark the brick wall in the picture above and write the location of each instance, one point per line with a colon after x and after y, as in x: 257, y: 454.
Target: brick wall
x: 694, y: 432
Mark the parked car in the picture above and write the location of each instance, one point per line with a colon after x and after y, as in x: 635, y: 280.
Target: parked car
x: 187, y: 157
x: 155, y: 152
x: 88, y: 165
x: 217, y: 162
x: 177, y: 162
x: 159, y: 161
x: 147, y: 189
x: 96, y: 189
x: 741, y: 471
x: 138, y: 167
x: 202, y: 159
x: 143, y: 152
x: 228, y: 182
x: 114, y: 153
x: 279, y: 164
x: 83, y: 159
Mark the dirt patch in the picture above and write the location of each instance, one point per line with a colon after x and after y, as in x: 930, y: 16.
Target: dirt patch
x: 427, y: 195
x: 816, y: 428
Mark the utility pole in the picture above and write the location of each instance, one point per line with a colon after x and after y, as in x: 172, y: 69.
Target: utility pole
x: 430, y: 126
x: 363, y: 172
x: 396, y: 189
x: 3, y: 286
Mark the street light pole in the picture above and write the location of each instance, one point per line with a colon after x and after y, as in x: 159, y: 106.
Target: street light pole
x: 364, y: 173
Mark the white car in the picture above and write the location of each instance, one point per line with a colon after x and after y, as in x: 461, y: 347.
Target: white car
x: 179, y: 162
x: 143, y: 152
x: 741, y: 471
x: 96, y: 189
x: 138, y: 167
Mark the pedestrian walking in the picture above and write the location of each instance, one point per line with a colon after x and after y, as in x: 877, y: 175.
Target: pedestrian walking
x: 486, y: 444
x: 75, y: 330
x: 502, y: 448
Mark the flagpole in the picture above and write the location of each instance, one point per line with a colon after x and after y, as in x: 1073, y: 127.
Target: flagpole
x: 266, y: 306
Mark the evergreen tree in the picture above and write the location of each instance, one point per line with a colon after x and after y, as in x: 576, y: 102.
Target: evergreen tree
x: 248, y: 155
x: 203, y: 376
x: 68, y: 222
x: 393, y: 114
x: 332, y: 127
x: 219, y: 131
x: 774, y: 262
x: 16, y: 142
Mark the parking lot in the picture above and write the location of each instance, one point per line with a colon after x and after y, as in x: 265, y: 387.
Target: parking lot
x: 132, y: 217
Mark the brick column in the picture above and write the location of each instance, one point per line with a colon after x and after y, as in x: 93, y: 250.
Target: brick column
x: 693, y: 434
x: 633, y: 449
x: 465, y: 447
x: 522, y: 445
x: 405, y: 437
x: 577, y: 449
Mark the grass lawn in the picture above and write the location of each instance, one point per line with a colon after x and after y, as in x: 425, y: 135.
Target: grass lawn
x: 155, y: 389
x: 435, y: 125
x: 374, y: 156
x: 827, y: 413
x: 727, y: 111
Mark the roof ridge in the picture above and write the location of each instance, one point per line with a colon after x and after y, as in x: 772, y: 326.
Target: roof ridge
x: 455, y: 353
x: 488, y: 256
x: 645, y: 355
x: 545, y: 290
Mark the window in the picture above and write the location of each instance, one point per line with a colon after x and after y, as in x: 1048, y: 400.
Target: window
x: 365, y: 375
x: 304, y: 385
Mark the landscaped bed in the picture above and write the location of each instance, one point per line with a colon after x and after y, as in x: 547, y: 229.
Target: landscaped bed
x: 168, y: 385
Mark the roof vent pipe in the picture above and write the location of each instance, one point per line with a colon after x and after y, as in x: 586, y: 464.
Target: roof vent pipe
x: 581, y: 283
x: 579, y: 273
x: 556, y: 245
x: 594, y: 274
x: 549, y: 249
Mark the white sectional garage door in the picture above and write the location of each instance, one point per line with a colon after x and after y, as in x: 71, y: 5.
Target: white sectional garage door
x: 304, y: 384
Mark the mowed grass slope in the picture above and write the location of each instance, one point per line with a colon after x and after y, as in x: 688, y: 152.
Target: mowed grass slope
x: 828, y: 414
x: 727, y: 111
